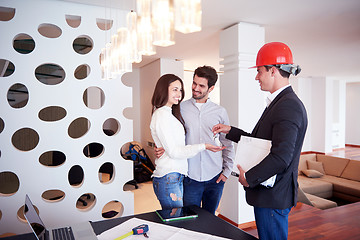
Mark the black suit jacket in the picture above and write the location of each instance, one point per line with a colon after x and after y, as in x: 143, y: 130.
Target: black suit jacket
x: 284, y: 122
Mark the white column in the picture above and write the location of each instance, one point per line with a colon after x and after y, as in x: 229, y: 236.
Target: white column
x: 342, y: 108
x: 352, y: 113
x: 243, y: 99
x: 322, y: 117
x: 303, y: 88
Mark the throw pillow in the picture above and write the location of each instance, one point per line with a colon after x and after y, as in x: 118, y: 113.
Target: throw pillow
x: 311, y: 173
x: 318, y: 166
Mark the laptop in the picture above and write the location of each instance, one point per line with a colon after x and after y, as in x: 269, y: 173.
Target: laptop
x: 81, y: 231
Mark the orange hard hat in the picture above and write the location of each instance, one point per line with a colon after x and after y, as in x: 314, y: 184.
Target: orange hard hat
x: 274, y: 53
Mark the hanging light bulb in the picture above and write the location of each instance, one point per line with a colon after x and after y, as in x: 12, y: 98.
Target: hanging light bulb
x: 114, y: 59
x: 144, y: 28
x: 131, y: 20
x: 188, y: 16
x: 103, y: 64
x: 125, y: 65
x: 163, y: 19
x: 105, y: 61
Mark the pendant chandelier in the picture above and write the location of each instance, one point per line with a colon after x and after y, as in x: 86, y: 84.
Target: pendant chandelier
x: 153, y: 24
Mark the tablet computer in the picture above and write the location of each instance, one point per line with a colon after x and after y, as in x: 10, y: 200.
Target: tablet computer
x: 176, y: 214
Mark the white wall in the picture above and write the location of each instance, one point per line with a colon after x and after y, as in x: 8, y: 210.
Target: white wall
x: 34, y: 177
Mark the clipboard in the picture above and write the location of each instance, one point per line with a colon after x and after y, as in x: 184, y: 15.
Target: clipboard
x: 250, y: 152
x: 168, y: 215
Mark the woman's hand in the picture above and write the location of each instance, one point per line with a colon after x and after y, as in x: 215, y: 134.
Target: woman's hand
x: 213, y: 148
x: 218, y: 128
x: 158, y: 152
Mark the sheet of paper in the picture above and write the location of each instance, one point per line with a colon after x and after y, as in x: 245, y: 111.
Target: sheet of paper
x: 251, y: 151
x: 157, y: 231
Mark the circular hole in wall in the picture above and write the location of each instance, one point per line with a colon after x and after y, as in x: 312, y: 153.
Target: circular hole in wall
x: 49, y: 30
x: 73, y: 21
x: 93, y: 150
x: 6, y: 14
x: 9, y: 183
x: 82, y: 71
x: 2, y: 125
x: 79, y: 127
x: 23, y: 43
x: 111, y: 126
x: 76, y: 176
x: 132, y: 151
x: 50, y: 74
x: 104, y: 24
x: 53, y: 195
x: 86, y: 201
x: 20, y: 213
x: 25, y: 139
x: 113, y: 209
x: 94, y: 97
x: 6, y: 68
x: 18, y: 95
x: 83, y: 44
x: 52, y: 113
x: 106, y: 172
x: 52, y: 158
x: 125, y: 151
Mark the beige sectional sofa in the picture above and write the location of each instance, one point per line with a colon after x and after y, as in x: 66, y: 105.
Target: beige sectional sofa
x: 322, y: 177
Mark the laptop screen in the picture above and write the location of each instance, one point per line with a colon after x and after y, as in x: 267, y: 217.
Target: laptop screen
x: 33, y: 219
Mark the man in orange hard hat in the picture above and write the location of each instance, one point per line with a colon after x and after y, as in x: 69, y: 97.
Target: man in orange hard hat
x: 271, y: 186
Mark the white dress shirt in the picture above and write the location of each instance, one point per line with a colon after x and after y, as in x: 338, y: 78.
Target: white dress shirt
x: 199, y: 120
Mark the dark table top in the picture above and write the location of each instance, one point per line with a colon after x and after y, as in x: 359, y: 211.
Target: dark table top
x: 205, y: 223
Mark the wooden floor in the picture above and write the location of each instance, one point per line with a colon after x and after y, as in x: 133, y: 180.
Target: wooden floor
x: 306, y: 222
x: 350, y: 151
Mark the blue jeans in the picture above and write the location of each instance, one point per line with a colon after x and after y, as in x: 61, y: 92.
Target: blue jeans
x: 169, y: 190
x: 208, y: 192
x: 272, y: 223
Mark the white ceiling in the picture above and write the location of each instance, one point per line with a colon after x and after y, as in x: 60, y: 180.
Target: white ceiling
x: 324, y: 35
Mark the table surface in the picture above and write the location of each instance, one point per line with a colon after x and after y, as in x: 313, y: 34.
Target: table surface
x: 205, y: 223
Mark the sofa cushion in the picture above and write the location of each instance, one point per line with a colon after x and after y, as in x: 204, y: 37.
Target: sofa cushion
x: 320, y: 203
x: 352, y: 171
x: 315, y: 186
x: 311, y: 173
x: 342, y: 185
x: 332, y: 165
x: 318, y: 166
x: 304, y: 158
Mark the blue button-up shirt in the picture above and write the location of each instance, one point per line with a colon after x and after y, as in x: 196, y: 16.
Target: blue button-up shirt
x: 198, y: 123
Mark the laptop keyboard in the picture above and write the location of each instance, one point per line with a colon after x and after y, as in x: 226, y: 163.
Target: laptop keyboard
x: 63, y: 234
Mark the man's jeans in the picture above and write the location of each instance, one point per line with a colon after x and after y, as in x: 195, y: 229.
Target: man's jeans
x: 272, y: 223
x: 169, y: 190
x: 209, y: 192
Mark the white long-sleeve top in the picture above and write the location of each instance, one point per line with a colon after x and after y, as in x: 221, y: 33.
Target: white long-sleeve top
x: 169, y: 133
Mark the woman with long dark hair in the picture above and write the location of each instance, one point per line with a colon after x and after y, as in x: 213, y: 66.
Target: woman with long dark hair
x: 168, y: 132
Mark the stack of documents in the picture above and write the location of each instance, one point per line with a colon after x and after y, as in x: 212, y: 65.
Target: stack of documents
x: 156, y: 231
x: 250, y: 152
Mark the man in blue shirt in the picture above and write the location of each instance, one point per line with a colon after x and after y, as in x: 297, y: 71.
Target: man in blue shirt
x: 208, y: 171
